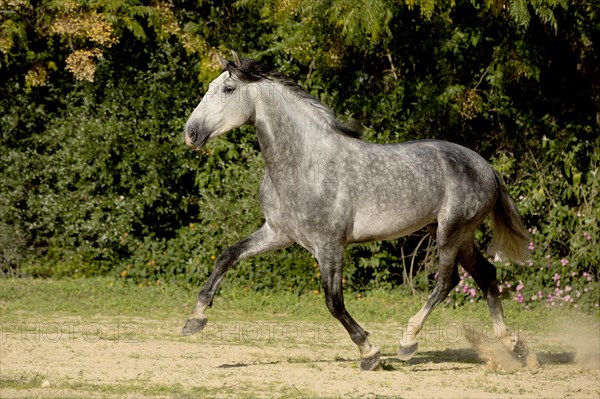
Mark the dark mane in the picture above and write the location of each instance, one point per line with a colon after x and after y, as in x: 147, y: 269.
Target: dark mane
x: 250, y: 71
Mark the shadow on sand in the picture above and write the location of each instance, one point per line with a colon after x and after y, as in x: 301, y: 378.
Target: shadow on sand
x: 465, y: 356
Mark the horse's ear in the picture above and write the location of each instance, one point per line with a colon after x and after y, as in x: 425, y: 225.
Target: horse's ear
x: 236, y: 59
x: 222, y: 61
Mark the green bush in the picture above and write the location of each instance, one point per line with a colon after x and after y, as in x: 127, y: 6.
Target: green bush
x: 110, y: 164
x: 95, y: 178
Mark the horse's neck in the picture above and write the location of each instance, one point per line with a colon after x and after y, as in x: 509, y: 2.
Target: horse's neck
x: 289, y: 131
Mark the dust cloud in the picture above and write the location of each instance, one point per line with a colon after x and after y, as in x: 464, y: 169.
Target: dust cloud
x: 585, y: 339
x: 578, y: 340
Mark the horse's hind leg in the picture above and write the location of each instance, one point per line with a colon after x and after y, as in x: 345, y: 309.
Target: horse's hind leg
x: 262, y: 240
x: 484, y: 274
x: 330, y: 262
x: 447, y: 279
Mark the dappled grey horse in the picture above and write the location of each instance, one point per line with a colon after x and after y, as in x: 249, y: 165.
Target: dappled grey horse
x: 324, y: 188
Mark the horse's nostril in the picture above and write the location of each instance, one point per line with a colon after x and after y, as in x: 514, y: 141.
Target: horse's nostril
x: 193, y: 133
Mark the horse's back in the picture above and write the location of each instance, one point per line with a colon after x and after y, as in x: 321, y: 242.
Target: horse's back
x: 417, y: 165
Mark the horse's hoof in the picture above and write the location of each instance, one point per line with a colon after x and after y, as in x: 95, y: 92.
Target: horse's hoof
x: 406, y: 353
x: 370, y: 363
x: 520, y: 350
x: 193, y: 326
x: 526, y: 358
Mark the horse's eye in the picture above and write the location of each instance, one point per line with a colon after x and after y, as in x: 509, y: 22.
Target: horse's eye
x: 228, y: 89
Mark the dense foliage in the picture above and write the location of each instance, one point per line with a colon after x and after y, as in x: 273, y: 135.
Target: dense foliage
x: 94, y: 94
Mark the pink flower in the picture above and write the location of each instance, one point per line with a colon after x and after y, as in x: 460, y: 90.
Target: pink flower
x: 556, y: 277
x: 519, y: 298
x: 587, y: 236
x: 550, y: 298
x: 564, y: 261
x: 531, y: 246
x: 568, y: 298
x: 568, y: 288
x: 520, y: 286
x: 534, y: 297
x: 473, y: 292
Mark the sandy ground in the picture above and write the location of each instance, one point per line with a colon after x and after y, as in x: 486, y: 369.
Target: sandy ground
x: 128, y: 357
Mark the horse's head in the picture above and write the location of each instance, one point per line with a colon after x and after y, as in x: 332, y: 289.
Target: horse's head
x: 229, y: 103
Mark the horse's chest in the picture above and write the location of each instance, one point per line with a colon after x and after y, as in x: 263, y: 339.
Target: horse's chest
x: 302, y: 211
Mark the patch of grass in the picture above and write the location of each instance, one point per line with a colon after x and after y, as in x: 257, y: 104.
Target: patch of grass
x: 299, y: 359
x: 145, y: 389
x: 89, y: 295
x: 21, y: 381
x: 109, y: 297
x: 78, y: 390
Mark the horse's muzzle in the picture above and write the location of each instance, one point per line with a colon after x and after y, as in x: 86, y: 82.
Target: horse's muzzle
x: 194, y: 136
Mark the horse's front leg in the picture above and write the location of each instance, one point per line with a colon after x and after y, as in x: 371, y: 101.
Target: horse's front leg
x: 262, y: 240
x: 330, y: 262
